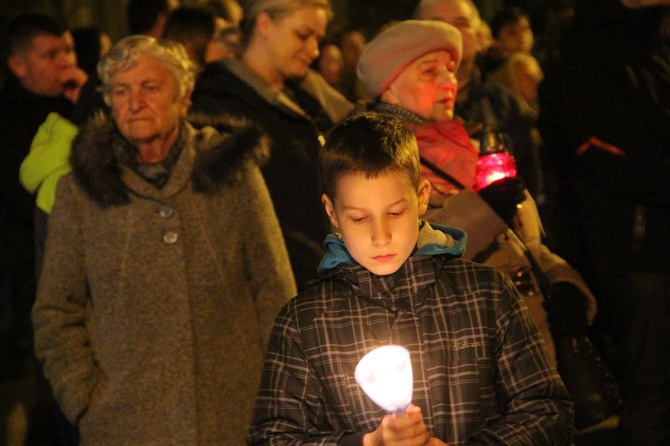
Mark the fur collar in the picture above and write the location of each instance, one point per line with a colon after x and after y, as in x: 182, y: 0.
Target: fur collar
x: 222, y: 144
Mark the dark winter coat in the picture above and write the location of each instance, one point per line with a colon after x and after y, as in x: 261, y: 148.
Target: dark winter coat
x: 155, y: 304
x: 612, y: 84
x: 21, y: 114
x: 480, y: 370
x: 295, y: 126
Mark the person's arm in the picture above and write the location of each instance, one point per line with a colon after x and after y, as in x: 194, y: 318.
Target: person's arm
x: 267, y: 258
x: 468, y: 211
x: 528, y: 226
x: 48, y: 159
x: 289, y: 402
x: 62, y: 338
x: 640, y: 174
x: 536, y: 405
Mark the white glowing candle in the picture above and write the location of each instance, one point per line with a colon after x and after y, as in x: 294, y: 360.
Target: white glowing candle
x: 385, y: 374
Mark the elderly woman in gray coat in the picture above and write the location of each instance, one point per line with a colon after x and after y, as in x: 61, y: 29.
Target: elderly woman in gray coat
x: 164, y: 265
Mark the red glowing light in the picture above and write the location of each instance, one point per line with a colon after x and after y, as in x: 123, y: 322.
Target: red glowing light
x: 493, y: 167
x: 495, y: 161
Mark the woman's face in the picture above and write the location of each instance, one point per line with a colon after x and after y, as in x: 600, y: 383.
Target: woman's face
x: 293, y: 39
x: 426, y: 87
x: 145, y: 103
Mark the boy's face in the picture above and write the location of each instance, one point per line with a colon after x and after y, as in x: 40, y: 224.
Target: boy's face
x: 378, y: 217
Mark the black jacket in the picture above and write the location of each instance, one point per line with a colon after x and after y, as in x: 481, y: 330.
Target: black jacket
x: 612, y: 83
x: 291, y: 172
x: 21, y: 114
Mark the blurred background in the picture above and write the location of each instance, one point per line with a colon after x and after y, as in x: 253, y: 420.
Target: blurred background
x: 367, y: 15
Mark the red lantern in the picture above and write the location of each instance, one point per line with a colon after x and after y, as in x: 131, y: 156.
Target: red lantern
x: 495, y: 161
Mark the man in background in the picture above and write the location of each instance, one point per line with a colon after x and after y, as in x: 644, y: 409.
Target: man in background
x: 43, y: 77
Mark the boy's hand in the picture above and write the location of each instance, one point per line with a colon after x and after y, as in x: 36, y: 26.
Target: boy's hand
x: 407, y: 429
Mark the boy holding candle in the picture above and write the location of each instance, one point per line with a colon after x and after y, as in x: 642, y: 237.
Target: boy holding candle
x: 481, y: 369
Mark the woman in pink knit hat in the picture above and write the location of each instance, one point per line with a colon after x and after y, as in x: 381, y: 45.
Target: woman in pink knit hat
x: 410, y: 69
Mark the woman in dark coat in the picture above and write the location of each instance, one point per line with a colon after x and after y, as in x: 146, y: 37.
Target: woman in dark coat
x: 271, y: 84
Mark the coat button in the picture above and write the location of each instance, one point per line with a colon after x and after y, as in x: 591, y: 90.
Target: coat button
x: 170, y: 237
x: 166, y: 212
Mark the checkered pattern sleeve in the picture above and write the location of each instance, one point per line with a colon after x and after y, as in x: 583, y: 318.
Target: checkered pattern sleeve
x: 481, y: 371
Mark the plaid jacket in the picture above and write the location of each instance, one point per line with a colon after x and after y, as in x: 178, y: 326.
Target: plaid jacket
x: 481, y: 373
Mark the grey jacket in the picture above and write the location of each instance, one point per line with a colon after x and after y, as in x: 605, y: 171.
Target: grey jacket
x: 155, y: 304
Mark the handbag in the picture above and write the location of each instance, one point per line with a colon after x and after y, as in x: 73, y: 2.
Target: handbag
x: 589, y: 380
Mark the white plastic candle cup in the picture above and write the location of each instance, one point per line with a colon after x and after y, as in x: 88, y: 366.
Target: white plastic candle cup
x: 385, y: 374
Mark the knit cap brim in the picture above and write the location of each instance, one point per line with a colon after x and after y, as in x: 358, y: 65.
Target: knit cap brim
x: 385, y: 56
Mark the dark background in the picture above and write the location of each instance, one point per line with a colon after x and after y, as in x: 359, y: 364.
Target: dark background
x: 367, y: 15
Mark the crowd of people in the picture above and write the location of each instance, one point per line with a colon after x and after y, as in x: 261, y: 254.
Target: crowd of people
x: 206, y: 224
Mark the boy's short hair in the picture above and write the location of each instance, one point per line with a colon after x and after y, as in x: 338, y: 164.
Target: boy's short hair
x: 369, y: 143
x: 25, y: 27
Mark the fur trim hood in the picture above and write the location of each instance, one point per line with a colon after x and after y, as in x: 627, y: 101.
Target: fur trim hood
x: 222, y: 145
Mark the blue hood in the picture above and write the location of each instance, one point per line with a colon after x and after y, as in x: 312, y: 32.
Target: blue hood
x: 433, y: 240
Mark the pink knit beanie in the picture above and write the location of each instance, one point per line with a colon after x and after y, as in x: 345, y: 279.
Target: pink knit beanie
x: 385, y: 56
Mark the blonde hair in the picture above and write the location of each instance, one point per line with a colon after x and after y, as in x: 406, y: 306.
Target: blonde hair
x: 275, y: 9
x: 506, y: 74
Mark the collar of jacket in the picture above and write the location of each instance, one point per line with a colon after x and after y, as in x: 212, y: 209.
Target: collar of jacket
x: 214, y: 150
x: 406, y: 288
x: 404, y: 114
x: 333, y: 102
x: 433, y: 240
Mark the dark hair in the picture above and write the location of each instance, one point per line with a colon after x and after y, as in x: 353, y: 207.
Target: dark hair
x: 193, y: 25
x: 340, y: 36
x: 508, y: 15
x: 87, y: 47
x: 27, y: 26
x: 222, y: 8
x: 368, y: 143
x: 142, y: 14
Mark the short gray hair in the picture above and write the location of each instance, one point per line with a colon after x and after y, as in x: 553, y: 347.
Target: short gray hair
x: 124, y: 55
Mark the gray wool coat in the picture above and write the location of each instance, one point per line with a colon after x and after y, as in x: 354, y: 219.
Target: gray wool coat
x: 155, y: 305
